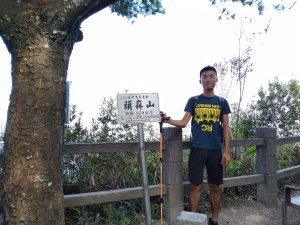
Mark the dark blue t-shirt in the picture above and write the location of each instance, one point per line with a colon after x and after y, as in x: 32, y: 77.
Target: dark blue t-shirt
x: 206, y: 120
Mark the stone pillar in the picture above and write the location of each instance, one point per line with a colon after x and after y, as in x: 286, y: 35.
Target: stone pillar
x: 266, y: 165
x: 172, y: 174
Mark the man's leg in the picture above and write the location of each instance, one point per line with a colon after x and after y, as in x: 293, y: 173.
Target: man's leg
x: 194, y: 198
x: 215, y: 200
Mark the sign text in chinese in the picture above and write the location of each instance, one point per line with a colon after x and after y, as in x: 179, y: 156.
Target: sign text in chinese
x: 138, y: 108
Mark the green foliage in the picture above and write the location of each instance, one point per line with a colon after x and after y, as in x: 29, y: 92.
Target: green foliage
x: 247, y: 124
x: 105, y: 127
x: 105, y: 171
x: 243, y: 165
x: 288, y: 155
x: 259, y: 4
x: 132, y: 9
x: 283, y: 6
x: 81, y: 217
x: 124, y: 213
x: 75, y: 133
x: 251, y: 150
x: 225, y: 11
x: 278, y: 107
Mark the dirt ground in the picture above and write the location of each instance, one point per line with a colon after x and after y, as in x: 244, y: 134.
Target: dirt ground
x: 251, y: 212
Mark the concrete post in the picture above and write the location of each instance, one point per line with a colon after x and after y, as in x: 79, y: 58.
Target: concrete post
x: 172, y: 174
x: 266, y: 165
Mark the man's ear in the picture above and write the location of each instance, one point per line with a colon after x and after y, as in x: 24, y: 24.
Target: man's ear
x: 200, y: 81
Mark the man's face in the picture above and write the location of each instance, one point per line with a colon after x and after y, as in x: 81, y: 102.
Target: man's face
x: 208, y: 80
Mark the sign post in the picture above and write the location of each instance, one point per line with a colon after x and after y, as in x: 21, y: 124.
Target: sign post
x: 138, y: 109
x: 143, y: 163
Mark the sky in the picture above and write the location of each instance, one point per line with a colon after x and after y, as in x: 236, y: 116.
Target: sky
x: 164, y: 53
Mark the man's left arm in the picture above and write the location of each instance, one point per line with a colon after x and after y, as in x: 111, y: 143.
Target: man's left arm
x: 226, y: 135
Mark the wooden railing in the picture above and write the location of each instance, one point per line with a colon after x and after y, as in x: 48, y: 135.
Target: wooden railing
x: 265, y: 178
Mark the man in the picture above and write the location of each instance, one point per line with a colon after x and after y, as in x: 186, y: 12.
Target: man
x: 210, y: 131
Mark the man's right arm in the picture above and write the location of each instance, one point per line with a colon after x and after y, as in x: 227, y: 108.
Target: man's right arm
x: 179, y: 123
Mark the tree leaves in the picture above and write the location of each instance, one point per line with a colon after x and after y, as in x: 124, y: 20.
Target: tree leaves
x: 131, y: 9
x: 278, y: 106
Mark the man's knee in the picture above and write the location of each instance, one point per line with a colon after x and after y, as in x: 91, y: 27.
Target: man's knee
x: 195, y: 188
x: 214, y: 188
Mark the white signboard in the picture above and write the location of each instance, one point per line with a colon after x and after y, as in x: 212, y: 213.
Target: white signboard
x: 138, y: 108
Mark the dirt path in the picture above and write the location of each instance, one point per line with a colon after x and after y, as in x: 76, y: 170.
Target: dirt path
x: 251, y: 212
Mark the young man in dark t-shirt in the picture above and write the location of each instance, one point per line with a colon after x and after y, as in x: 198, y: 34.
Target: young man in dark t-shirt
x: 210, y: 133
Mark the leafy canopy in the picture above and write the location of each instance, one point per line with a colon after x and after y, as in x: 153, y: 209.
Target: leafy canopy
x: 278, y: 106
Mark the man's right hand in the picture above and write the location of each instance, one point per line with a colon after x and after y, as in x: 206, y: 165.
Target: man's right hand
x: 164, y: 116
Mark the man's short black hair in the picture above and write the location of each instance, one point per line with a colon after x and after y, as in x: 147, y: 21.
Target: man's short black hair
x: 207, y: 68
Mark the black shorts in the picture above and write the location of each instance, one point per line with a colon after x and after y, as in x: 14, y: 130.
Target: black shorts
x: 209, y: 158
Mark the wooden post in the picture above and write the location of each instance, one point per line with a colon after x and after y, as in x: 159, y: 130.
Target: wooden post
x: 172, y: 173
x: 266, y: 165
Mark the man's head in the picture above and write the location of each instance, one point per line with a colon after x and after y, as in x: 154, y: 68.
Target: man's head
x: 207, y: 68
x: 208, y: 77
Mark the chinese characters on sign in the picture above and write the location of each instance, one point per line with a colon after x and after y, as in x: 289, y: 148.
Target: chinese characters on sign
x: 138, y: 108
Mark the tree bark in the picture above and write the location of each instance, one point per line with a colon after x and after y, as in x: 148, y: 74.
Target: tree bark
x: 34, y: 134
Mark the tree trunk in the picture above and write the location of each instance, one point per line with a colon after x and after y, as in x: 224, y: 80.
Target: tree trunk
x: 32, y: 181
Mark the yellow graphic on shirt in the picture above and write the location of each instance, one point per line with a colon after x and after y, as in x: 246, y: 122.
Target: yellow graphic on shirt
x: 207, y: 113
